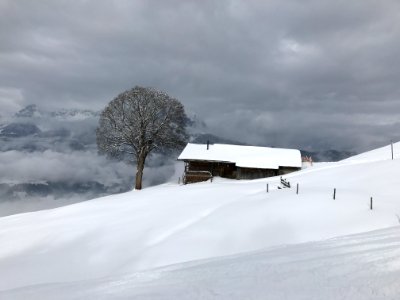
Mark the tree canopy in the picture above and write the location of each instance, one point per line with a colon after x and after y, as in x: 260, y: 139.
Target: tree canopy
x: 139, y: 121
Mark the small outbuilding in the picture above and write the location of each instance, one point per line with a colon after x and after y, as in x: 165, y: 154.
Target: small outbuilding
x: 204, y: 161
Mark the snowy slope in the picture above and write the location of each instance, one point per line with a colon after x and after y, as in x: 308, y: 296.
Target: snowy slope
x: 357, y: 267
x: 383, y: 153
x: 169, y: 224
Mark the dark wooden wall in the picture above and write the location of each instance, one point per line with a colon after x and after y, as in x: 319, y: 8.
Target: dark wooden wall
x: 287, y: 170
x: 229, y: 170
x: 196, y: 176
x: 226, y: 170
x: 251, y: 173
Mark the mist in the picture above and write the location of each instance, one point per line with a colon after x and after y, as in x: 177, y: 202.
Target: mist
x: 50, y: 159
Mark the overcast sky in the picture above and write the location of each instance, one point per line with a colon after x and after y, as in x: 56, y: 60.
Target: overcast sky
x: 306, y: 74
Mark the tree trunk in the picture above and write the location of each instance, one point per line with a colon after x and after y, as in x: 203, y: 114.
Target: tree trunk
x: 139, y: 171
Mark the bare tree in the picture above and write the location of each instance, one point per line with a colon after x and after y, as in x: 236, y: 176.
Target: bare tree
x: 138, y: 122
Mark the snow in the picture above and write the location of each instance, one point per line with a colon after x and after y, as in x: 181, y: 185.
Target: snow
x: 243, y: 156
x: 383, y: 153
x: 173, y: 241
x: 357, y: 267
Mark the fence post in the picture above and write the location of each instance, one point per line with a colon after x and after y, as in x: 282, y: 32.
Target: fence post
x: 334, y: 193
x: 370, y: 204
x: 297, y: 189
x: 391, y: 144
x: 267, y: 188
x: 179, y: 180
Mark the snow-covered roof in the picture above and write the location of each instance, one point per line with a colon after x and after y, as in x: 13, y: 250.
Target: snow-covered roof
x: 243, y: 156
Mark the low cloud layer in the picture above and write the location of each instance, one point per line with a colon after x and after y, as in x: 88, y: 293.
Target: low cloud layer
x: 307, y: 74
x: 42, y: 180
x: 49, y: 159
x: 21, y: 167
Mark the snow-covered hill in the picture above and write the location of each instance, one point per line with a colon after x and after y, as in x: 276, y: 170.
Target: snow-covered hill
x: 96, y: 249
x: 357, y: 267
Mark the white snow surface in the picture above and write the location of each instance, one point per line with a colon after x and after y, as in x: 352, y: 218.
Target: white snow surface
x: 357, y: 267
x: 174, y: 241
x: 243, y: 156
x: 383, y: 153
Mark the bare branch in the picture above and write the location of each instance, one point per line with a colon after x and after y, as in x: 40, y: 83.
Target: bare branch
x: 138, y: 122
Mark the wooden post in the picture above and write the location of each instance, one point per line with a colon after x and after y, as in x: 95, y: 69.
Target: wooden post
x: 267, y: 188
x: 391, y: 144
x: 370, y: 204
x: 297, y: 189
x: 334, y: 193
x: 179, y: 180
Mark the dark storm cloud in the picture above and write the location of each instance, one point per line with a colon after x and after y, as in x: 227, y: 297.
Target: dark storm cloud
x: 308, y: 74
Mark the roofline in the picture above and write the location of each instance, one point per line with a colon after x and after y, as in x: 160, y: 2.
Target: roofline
x: 231, y: 162
x: 212, y: 144
x: 223, y: 161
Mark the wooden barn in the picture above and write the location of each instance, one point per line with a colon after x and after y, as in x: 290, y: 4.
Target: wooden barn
x: 204, y: 161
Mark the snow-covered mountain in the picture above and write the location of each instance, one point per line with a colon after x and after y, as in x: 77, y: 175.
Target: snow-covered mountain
x: 42, y: 154
x: 32, y: 111
x: 172, y: 241
x: 41, y: 128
